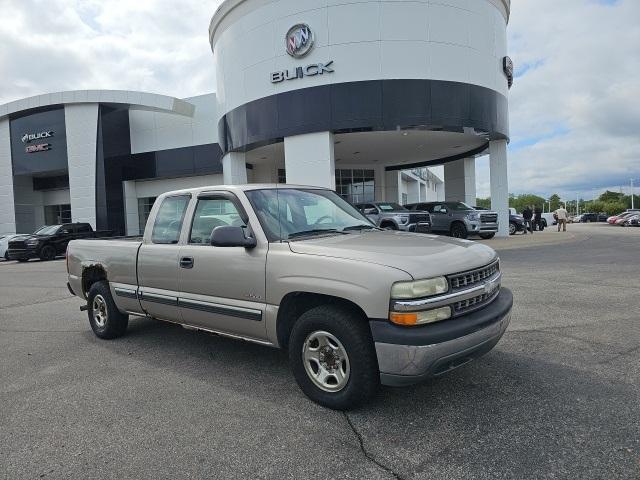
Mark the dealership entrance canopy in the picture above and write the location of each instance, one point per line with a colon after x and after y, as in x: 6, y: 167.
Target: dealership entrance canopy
x: 358, y: 97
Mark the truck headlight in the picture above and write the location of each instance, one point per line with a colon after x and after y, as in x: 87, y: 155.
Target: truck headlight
x: 404, y: 218
x: 419, y: 288
x: 32, y: 243
x: 473, y: 216
x: 420, y: 318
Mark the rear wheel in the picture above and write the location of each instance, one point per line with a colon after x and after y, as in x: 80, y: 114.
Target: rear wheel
x: 458, y: 230
x: 104, y: 317
x: 487, y: 236
x: 333, y: 358
x: 48, y: 252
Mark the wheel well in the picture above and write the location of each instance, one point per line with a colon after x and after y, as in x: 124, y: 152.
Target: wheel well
x: 91, y: 275
x: 387, y: 223
x: 457, y: 222
x: 294, y: 304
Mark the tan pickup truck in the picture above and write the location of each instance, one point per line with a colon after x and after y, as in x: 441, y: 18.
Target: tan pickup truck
x: 300, y: 268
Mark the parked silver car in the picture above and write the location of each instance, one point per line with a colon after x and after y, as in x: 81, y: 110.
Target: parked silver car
x: 394, y: 216
x: 459, y: 219
x: 300, y: 268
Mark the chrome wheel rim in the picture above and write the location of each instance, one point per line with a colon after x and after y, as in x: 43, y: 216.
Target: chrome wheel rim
x: 99, y: 309
x: 326, y: 361
x: 512, y: 229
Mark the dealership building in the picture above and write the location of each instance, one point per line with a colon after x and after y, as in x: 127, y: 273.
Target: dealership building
x: 360, y: 97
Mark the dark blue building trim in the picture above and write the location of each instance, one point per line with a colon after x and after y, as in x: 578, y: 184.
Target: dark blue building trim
x: 374, y: 105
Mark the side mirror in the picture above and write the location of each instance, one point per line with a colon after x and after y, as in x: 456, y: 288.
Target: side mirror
x: 231, y: 236
x: 370, y: 211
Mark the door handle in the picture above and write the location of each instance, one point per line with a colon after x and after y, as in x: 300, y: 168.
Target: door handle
x: 186, y: 262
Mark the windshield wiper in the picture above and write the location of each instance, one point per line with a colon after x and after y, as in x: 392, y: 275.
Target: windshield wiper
x: 317, y: 231
x: 359, y: 227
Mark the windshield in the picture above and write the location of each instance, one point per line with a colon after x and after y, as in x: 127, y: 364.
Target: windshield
x: 458, y: 206
x: 390, y: 207
x: 295, y: 213
x: 47, y: 230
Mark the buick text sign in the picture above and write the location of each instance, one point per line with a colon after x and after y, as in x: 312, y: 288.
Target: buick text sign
x: 301, y: 72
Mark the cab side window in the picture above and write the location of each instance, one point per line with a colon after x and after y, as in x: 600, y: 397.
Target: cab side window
x: 168, y: 222
x: 211, y: 213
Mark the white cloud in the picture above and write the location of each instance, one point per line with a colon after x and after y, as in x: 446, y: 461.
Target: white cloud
x: 160, y: 46
x: 575, y: 116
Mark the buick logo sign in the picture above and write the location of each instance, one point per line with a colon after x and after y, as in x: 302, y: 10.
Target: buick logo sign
x: 299, y: 40
x: 30, y: 137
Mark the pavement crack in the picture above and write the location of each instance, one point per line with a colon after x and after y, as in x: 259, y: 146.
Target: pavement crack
x: 368, y: 455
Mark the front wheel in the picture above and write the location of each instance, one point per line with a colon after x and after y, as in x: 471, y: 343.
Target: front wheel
x: 458, y: 230
x: 488, y: 236
x: 48, y: 252
x: 333, y: 358
x: 512, y: 228
x: 104, y: 317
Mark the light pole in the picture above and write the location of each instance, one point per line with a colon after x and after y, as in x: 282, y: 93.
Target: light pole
x: 632, y: 204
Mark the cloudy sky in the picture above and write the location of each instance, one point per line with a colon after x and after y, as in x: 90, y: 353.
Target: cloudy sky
x: 575, y: 106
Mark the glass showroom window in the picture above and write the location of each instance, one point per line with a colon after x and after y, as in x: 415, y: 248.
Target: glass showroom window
x: 57, y: 214
x: 356, y: 186
x: 144, y: 209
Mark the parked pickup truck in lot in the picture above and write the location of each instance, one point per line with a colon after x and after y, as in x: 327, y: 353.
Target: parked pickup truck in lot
x: 49, y: 241
x: 459, y: 219
x: 396, y: 217
x: 299, y: 268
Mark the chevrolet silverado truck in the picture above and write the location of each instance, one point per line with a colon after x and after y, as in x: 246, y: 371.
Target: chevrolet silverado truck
x: 393, y: 216
x: 49, y: 241
x: 459, y: 219
x: 301, y: 269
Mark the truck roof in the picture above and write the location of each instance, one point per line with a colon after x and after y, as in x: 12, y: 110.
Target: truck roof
x: 240, y: 188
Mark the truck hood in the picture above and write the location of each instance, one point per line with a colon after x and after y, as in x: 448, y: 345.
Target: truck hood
x: 24, y: 238
x: 420, y: 255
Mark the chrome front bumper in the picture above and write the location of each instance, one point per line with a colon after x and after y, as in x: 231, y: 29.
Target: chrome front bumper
x: 406, y: 364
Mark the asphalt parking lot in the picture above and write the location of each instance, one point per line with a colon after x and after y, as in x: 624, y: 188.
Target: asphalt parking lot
x: 559, y: 397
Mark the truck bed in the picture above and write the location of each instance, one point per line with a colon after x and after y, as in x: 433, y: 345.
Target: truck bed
x: 120, y: 254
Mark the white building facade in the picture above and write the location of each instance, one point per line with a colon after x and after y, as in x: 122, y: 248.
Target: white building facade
x: 362, y: 97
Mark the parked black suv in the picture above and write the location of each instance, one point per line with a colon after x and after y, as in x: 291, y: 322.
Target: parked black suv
x: 593, y: 217
x: 49, y: 241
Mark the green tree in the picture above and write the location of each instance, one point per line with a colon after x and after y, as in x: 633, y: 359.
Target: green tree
x: 555, y: 201
x: 610, y: 196
x: 483, y: 202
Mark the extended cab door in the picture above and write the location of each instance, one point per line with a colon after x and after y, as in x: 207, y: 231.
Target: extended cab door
x: 158, y: 260
x: 222, y: 288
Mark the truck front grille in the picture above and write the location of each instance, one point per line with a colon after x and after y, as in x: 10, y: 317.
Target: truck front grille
x: 17, y: 245
x: 470, y: 304
x: 489, y: 218
x: 471, y: 278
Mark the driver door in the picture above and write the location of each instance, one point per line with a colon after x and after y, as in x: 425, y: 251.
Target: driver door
x: 222, y: 288
x: 439, y: 217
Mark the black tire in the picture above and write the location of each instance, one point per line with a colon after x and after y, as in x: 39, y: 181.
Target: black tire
x: 112, y: 323
x: 6, y: 256
x: 458, y: 230
x: 512, y: 228
x: 48, y: 252
x: 487, y: 236
x: 355, y: 337
x: 23, y: 260
x: 389, y: 226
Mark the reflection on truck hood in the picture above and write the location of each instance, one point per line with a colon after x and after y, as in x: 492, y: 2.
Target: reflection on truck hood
x: 420, y: 255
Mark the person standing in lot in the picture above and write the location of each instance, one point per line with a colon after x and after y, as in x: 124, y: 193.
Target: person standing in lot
x: 537, y: 218
x: 562, y: 215
x: 527, y: 214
